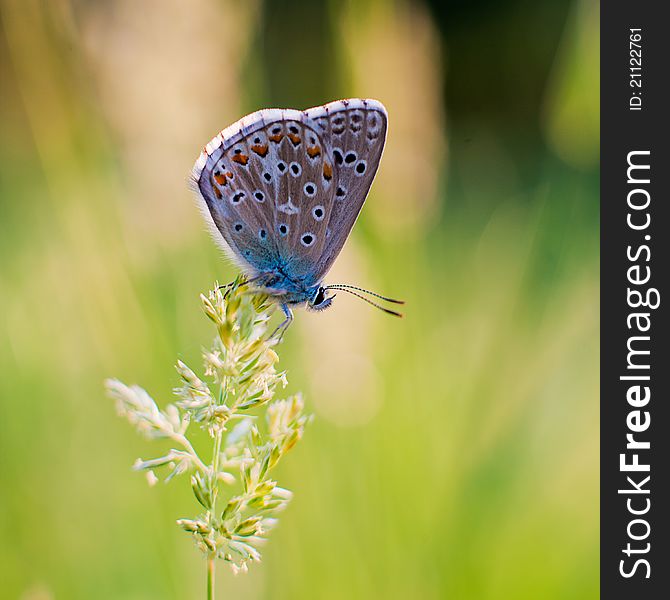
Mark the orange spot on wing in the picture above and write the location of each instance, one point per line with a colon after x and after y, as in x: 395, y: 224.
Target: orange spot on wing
x: 314, y: 151
x: 222, y: 178
x: 295, y: 138
x: 276, y: 138
x: 217, y: 192
x: 327, y: 171
x: 260, y: 149
x: 241, y: 159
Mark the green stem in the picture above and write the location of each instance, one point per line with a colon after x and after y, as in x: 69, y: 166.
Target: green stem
x: 217, y: 452
x: 211, y: 558
x: 212, y: 513
x: 215, y: 468
x: 210, y: 577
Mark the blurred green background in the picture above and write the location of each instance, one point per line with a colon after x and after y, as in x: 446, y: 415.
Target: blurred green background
x: 454, y: 454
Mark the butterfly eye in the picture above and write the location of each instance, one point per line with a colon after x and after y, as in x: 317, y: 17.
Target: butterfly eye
x: 318, y: 213
x: 320, y: 296
x: 296, y: 169
x: 307, y: 239
x: 283, y: 229
x: 309, y: 189
x: 361, y: 165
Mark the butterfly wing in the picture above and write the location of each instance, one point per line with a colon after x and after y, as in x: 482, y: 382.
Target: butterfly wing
x: 284, y: 187
x: 261, y: 179
x: 228, y: 176
x: 355, y: 131
x: 304, y: 194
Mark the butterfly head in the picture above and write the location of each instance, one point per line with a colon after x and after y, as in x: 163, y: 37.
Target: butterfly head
x: 320, y: 300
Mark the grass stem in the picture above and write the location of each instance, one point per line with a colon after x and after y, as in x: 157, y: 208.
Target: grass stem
x: 210, y: 577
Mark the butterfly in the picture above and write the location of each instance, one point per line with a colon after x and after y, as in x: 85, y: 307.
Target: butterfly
x: 282, y: 189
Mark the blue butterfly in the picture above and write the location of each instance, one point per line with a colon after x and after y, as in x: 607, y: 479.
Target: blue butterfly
x: 284, y: 188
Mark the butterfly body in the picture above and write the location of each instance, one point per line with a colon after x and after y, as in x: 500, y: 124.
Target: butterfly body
x: 281, y: 286
x: 282, y: 189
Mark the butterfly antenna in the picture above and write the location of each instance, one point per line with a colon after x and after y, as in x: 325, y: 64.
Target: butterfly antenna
x: 344, y: 286
x: 386, y: 310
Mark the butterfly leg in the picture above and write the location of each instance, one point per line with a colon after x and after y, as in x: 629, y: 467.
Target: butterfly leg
x: 227, y: 286
x: 281, y: 330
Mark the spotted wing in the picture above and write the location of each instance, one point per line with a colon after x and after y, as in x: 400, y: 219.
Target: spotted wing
x: 304, y: 194
x: 259, y: 179
x: 355, y: 130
